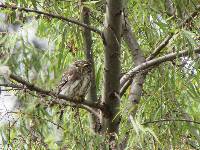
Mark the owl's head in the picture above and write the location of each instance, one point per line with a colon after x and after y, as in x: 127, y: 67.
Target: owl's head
x: 83, y: 65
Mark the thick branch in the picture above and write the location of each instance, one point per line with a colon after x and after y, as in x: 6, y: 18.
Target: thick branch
x: 89, y: 53
x: 138, y: 80
x: 138, y: 58
x: 92, y: 93
x: 51, y: 16
x: 44, y: 92
x: 155, y: 62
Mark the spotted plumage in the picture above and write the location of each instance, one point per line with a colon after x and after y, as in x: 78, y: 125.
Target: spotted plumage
x: 76, y: 80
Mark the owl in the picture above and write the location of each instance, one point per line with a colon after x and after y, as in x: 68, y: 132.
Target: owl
x: 76, y: 80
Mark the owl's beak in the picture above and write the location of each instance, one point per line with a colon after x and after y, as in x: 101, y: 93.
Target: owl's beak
x: 85, y: 65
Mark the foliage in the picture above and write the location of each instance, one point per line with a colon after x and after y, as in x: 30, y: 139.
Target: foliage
x: 170, y: 91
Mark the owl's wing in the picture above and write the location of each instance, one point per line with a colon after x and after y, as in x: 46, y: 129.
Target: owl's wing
x: 70, y: 75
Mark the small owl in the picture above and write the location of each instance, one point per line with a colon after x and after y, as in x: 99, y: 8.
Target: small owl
x: 76, y: 80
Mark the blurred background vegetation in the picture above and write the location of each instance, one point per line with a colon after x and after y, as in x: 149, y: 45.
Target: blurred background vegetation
x: 39, y: 48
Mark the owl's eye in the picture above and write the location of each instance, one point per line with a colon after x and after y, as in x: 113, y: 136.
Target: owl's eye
x: 82, y: 64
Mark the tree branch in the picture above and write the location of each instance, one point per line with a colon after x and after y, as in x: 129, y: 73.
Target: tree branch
x: 168, y: 120
x: 164, y: 43
x: 158, y: 49
x: 155, y: 62
x: 138, y: 80
x: 138, y: 58
x: 44, y: 92
x: 51, y: 16
x: 55, y: 101
x: 92, y: 92
x: 169, y: 7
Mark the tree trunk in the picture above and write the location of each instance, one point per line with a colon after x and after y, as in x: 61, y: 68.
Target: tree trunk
x: 112, y: 43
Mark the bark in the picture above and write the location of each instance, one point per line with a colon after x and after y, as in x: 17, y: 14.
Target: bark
x: 169, y: 6
x: 138, y: 58
x: 139, y: 79
x: 92, y: 94
x: 112, y: 42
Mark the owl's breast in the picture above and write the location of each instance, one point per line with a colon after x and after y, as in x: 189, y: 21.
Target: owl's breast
x: 70, y: 88
x: 85, y: 85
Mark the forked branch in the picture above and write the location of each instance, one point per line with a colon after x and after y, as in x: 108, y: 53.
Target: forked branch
x: 156, y: 62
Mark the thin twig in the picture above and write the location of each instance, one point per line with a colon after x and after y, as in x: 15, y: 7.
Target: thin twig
x: 51, y: 16
x: 164, y: 43
x: 36, y: 116
x: 170, y: 120
x: 81, y: 126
